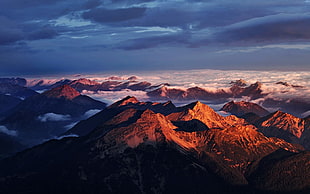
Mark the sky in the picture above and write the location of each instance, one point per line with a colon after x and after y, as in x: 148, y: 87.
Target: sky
x: 79, y: 36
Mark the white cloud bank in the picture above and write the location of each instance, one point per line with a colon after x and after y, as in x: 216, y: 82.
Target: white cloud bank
x: 110, y: 97
x: 213, y: 80
x: 305, y: 114
x: 6, y: 131
x: 67, y: 127
x: 53, y: 117
x: 90, y: 113
x: 64, y: 136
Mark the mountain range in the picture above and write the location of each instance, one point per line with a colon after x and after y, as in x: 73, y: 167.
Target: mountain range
x: 47, y: 115
x: 55, y: 139
x: 242, y: 107
x: 234, y: 90
x: 277, y: 124
x: 289, y: 100
x: 149, y: 147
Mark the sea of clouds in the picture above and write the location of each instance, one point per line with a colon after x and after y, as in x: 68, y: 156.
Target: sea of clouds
x: 210, y: 80
x: 5, y: 130
x: 216, y: 79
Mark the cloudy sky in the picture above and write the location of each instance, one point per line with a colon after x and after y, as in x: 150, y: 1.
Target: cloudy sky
x: 74, y: 36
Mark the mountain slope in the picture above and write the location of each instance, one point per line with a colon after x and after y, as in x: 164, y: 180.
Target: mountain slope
x: 64, y: 91
x: 131, y: 148
x: 283, y: 171
x: 9, y: 145
x: 15, y: 81
x: 283, y: 121
x: 16, y: 90
x: 7, y: 102
x: 284, y: 126
x: 46, y: 115
x: 242, y: 107
x: 86, y: 126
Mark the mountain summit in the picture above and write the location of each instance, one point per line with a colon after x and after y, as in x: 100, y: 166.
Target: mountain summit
x: 64, y: 91
x: 141, y: 147
x: 242, y: 107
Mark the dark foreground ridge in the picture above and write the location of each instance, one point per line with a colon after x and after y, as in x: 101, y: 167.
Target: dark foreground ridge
x: 146, y: 147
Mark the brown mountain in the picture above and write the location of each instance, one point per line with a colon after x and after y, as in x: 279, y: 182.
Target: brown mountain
x: 61, y: 100
x: 285, y: 126
x: 111, y: 85
x: 133, y: 149
x: 201, y: 112
x: 253, y: 91
x: 86, y: 126
x: 242, y: 107
x: 64, y: 91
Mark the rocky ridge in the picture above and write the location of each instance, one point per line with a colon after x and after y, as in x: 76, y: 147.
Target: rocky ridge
x: 141, y: 145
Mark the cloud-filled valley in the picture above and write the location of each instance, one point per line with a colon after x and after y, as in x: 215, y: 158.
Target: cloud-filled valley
x: 53, y: 117
x: 276, y: 90
x: 5, y: 130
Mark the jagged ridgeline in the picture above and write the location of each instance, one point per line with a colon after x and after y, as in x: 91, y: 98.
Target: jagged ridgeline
x: 147, y: 147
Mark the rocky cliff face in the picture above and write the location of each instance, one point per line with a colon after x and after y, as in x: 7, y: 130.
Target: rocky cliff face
x: 285, y: 126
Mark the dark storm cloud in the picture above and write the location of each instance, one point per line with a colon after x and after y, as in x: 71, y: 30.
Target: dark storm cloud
x: 171, y: 17
x: 26, y: 3
x: 150, y: 42
x: 9, y: 31
x: 115, y: 15
x: 8, y: 36
x: 44, y: 33
x: 121, y: 27
x: 28, y: 10
x: 91, y: 4
x: 268, y: 29
x: 132, y: 1
x: 195, y: 17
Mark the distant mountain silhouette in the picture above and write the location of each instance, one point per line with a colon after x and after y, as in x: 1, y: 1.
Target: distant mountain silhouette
x: 14, y: 81
x: 292, y: 104
x: 16, y: 90
x: 43, y: 116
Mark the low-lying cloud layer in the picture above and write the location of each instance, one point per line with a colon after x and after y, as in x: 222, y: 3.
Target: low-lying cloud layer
x: 5, y: 130
x: 110, y: 97
x: 53, y: 117
x: 290, y: 89
x: 90, y: 113
x: 281, y: 85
